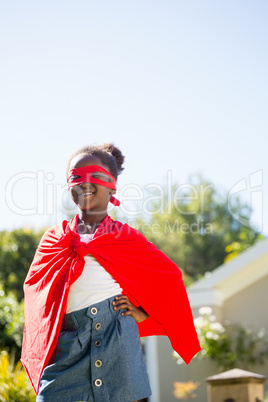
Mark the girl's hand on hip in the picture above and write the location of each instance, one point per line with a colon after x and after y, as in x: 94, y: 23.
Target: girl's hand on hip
x: 137, y: 313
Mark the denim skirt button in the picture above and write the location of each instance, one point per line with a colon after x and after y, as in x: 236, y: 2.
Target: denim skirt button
x: 97, y: 343
x: 98, y: 382
x: 94, y: 310
x: 98, y: 363
x: 98, y: 326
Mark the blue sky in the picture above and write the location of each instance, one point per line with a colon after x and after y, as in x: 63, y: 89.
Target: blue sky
x: 180, y: 86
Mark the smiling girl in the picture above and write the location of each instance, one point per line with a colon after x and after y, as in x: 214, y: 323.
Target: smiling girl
x: 94, y: 287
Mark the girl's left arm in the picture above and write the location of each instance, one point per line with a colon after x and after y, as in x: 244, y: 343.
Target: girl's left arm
x: 123, y: 302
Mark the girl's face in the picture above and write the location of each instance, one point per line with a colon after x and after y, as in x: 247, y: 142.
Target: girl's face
x: 90, y: 197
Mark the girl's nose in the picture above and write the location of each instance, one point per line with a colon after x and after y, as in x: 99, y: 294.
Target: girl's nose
x: 85, y: 185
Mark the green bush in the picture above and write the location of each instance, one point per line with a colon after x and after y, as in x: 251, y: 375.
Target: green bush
x: 14, y: 383
x: 11, y: 323
x: 229, y: 345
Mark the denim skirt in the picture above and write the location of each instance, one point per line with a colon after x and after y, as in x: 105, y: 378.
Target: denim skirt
x: 98, y: 358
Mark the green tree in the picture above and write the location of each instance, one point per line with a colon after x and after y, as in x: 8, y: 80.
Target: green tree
x: 243, y: 241
x: 197, y: 226
x: 17, y: 250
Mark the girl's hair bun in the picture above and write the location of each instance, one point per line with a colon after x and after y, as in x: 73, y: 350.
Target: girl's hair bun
x: 116, y: 153
x: 109, y: 154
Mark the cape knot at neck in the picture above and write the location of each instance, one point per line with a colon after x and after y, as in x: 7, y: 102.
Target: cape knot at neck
x: 79, y: 246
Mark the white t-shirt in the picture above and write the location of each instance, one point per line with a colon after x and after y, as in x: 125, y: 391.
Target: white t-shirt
x: 94, y: 285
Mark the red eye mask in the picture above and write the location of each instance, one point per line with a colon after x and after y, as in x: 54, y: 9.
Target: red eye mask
x: 92, y: 174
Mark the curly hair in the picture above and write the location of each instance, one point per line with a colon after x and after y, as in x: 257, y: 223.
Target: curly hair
x: 109, y: 155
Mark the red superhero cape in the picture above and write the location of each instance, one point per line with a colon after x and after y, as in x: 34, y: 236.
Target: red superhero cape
x: 148, y: 277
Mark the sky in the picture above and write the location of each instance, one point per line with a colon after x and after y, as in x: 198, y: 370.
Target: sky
x: 179, y: 86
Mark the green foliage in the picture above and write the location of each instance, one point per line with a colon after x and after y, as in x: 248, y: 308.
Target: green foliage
x: 229, y: 346
x: 244, y: 240
x: 11, y: 322
x: 195, y: 223
x: 17, y: 249
x: 14, y: 383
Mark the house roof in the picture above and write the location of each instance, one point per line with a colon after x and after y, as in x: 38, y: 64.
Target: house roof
x: 230, y: 278
x: 235, y: 374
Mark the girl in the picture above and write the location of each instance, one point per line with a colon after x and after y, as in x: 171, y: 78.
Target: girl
x: 95, y: 286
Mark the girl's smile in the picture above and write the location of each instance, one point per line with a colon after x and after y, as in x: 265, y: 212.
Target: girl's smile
x: 85, y: 192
